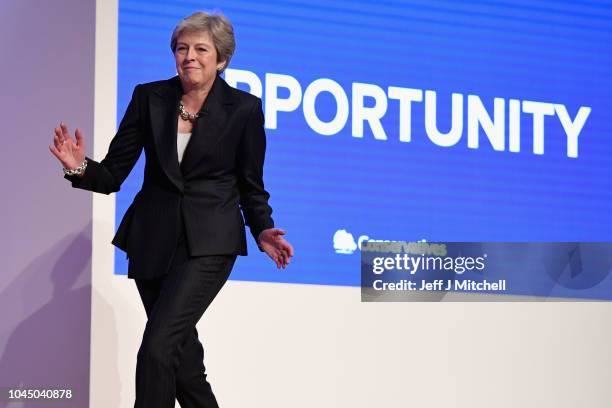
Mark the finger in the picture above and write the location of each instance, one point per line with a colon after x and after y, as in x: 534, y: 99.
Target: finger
x: 281, y: 261
x: 68, y: 143
x: 55, y: 152
x: 278, y: 259
x: 80, y: 140
x: 285, y: 257
x: 278, y: 231
x: 65, y: 132
x: 285, y: 261
x: 273, y: 254
x: 289, y: 248
x: 286, y: 246
x: 57, y: 143
x: 58, y: 133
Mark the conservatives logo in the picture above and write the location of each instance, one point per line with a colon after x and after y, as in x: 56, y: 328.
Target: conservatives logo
x: 344, y: 243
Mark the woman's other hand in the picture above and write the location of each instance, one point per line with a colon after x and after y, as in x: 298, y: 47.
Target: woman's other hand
x: 271, y: 241
x: 70, y: 152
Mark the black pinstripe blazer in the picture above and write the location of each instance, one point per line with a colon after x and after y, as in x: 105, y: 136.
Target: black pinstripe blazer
x: 219, y: 180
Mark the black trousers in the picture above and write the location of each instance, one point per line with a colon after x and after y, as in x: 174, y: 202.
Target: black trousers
x: 170, y: 359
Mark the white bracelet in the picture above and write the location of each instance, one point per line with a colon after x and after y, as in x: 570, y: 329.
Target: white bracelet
x: 78, y: 171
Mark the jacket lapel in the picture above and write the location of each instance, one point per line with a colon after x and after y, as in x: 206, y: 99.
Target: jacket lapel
x: 163, y: 106
x: 208, y: 128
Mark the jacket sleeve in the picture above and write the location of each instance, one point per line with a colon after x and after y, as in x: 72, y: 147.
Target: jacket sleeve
x: 107, y: 175
x: 251, y: 154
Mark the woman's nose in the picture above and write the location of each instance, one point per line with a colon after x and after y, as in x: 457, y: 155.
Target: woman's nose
x: 190, y: 54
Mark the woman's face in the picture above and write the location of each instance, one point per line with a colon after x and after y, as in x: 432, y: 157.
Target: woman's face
x: 196, y: 58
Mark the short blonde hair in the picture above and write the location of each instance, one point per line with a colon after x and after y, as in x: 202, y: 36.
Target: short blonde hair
x: 217, y: 25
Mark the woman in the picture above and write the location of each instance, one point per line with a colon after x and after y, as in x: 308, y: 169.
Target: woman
x: 204, y: 144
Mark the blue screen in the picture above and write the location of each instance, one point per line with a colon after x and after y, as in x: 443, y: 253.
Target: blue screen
x: 408, y: 120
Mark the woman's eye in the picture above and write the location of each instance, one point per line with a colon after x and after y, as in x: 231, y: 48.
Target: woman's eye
x: 202, y: 49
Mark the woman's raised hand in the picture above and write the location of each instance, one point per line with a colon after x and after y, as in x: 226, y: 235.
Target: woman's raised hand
x: 70, y: 152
